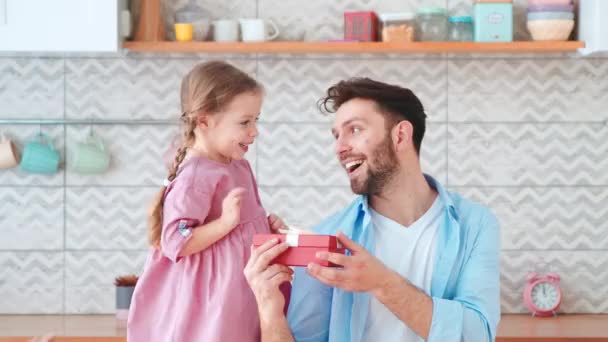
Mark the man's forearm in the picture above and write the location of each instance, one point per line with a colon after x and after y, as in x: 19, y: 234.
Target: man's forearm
x: 275, y: 328
x: 411, y: 305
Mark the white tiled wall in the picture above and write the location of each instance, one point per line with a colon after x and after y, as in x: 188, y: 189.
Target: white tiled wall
x: 525, y: 135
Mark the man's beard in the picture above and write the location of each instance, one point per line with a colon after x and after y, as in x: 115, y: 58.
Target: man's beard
x: 381, y: 169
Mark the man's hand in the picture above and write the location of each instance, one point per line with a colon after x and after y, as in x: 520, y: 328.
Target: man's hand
x: 264, y: 279
x: 361, y: 272
x: 275, y: 223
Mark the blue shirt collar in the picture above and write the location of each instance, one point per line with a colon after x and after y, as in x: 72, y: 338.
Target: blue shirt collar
x: 446, y: 199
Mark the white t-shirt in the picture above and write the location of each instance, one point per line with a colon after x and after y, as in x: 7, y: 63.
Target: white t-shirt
x: 410, y: 251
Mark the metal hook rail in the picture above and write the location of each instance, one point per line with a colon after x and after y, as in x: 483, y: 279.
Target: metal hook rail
x: 87, y: 122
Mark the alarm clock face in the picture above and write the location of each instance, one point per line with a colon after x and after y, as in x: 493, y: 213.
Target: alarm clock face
x: 545, y: 296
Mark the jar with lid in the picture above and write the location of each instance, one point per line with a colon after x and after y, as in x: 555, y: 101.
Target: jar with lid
x: 195, y: 15
x: 397, y: 27
x: 461, y: 29
x: 432, y: 24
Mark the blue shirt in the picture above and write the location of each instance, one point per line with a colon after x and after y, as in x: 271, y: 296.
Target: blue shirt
x: 465, y: 285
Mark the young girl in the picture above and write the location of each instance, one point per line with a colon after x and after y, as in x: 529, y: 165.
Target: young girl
x: 204, y: 218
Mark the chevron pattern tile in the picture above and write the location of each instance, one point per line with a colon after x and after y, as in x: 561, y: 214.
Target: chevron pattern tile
x: 527, y: 90
x: 527, y: 154
x: 294, y: 86
x: 21, y: 134
x: 90, y: 276
x: 303, y: 155
x: 305, y: 206
x: 298, y: 155
x: 324, y: 20
x: 523, y: 134
x: 564, y: 218
x: 31, y: 87
x: 107, y: 218
x: 128, y: 88
x: 31, y: 282
x: 31, y: 218
x: 138, y: 154
x: 584, y: 275
x: 433, y: 153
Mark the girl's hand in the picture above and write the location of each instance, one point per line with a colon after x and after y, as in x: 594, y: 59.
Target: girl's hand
x: 231, y: 208
x: 275, y: 223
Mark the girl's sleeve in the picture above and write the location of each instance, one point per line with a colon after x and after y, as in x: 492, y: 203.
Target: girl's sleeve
x: 183, y: 210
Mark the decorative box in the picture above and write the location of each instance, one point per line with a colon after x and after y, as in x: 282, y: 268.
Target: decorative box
x: 303, y: 248
x: 493, y: 20
x: 361, y: 26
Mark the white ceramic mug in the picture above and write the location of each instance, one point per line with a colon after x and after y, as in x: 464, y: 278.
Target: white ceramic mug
x: 9, y: 157
x: 258, y: 30
x: 225, y: 30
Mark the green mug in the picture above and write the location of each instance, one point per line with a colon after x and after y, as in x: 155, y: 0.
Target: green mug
x: 40, y: 156
x: 89, y: 156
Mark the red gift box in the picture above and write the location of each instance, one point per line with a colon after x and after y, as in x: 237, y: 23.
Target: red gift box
x: 303, y: 248
x: 361, y: 26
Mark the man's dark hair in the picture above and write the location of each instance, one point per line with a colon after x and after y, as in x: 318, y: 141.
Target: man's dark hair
x: 396, y: 103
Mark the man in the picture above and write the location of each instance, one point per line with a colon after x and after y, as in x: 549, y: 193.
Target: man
x: 423, y: 262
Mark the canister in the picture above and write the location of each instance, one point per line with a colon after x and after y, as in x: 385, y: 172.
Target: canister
x: 493, y: 20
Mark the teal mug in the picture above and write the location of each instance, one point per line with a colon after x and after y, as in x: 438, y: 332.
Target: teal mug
x: 40, y: 156
x: 89, y: 156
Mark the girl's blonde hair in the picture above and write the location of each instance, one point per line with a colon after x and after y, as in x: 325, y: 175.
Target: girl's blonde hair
x: 207, y: 88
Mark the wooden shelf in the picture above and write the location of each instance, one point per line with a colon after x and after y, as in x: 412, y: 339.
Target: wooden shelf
x: 353, y: 47
x: 563, y: 328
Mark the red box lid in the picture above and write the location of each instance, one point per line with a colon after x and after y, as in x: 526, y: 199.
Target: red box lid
x: 361, y: 13
x: 303, y: 240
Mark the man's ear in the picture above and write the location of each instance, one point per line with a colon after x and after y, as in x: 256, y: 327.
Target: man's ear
x: 402, y: 135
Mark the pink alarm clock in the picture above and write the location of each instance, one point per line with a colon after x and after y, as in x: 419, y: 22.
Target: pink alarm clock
x: 542, y: 295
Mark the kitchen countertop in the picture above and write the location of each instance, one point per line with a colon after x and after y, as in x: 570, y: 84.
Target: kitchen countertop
x: 72, y: 328
x: 105, y: 328
x: 571, y: 328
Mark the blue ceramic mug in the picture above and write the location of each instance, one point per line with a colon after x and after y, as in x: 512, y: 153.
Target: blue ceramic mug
x: 40, y: 156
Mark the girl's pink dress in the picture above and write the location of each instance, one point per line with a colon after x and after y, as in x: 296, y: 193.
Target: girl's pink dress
x: 202, y: 297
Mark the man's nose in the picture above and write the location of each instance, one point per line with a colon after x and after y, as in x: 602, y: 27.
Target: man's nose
x: 342, y: 146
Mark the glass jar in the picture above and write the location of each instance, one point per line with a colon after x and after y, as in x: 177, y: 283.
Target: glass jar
x: 432, y: 24
x: 461, y: 29
x: 195, y: 15
x: 397, y: 27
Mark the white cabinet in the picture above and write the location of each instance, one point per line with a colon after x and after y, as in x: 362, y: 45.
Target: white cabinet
x: 593, y: 26
x: 60, y: 25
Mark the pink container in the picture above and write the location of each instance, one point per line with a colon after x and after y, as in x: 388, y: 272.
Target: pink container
x: 550, y: 8
x: 549, y: 2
